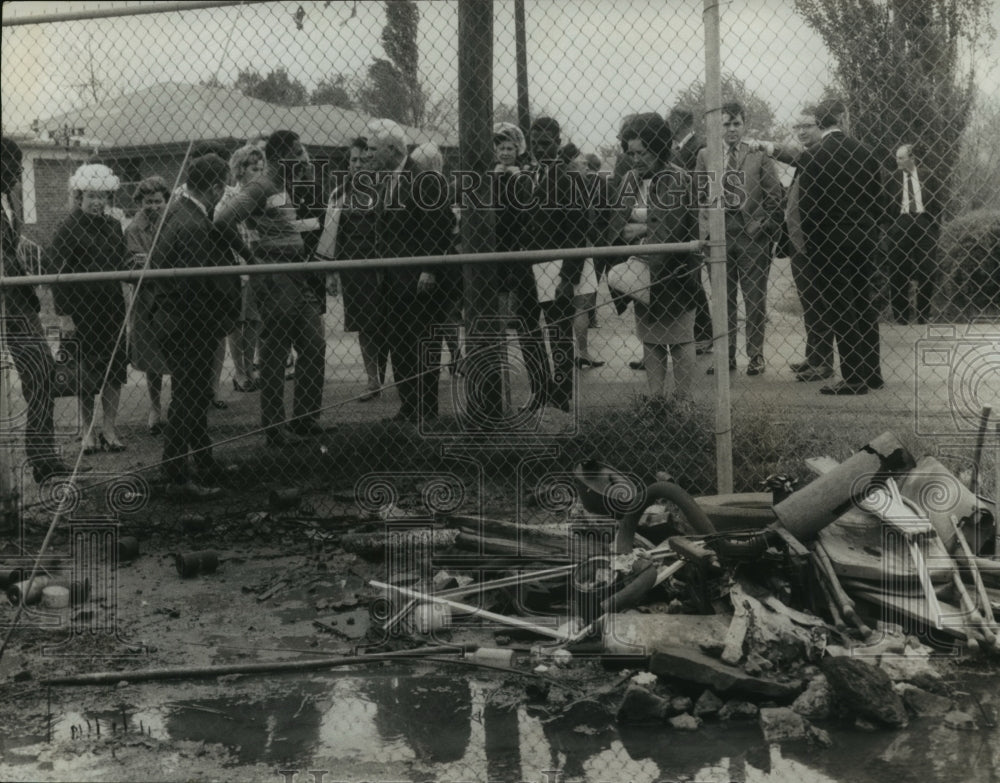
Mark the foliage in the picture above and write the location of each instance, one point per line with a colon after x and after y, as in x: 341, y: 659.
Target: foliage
x: 759, y: 115
x: 970, y: 257
x: 335, y: 90
x: 276, y: 87
x: 392, y: 88
x: 977, y: 171
x: 900, y: 66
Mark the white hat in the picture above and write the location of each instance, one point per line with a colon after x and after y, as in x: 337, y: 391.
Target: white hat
x: 93, y: 176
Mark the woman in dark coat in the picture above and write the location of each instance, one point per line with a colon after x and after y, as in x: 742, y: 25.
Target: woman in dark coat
x: 90, y: 241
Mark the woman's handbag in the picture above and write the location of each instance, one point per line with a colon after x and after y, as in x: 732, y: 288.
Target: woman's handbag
x: 631, y: 278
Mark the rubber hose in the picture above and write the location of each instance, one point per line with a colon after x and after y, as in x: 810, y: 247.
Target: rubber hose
x: 658, y: 492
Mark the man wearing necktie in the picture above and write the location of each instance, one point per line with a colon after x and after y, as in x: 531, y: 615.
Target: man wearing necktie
x: 752, y: 200
x: 913, y: 238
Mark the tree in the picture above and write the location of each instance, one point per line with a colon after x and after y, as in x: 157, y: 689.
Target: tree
x: 335, y: 90
x: 392, y: 88
x: 759, y: 115
x: 276, y: 87
x: 900, y: 71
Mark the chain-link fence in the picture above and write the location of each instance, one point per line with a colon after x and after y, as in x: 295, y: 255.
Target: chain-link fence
x: 858, y: 213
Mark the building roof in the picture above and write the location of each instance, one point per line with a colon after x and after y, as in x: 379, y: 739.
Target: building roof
x: 174, y: 112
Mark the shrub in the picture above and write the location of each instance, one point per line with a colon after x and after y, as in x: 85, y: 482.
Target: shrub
x: 970, y: 258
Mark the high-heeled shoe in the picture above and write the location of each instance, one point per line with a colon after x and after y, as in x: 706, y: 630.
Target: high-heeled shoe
x: 110, y: 446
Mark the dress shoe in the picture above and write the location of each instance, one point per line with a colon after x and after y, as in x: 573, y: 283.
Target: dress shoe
x: 756, y: 366
x: 280, y: 437
x: 371, y: 394
x: 844, y: 389
x: 732, y: 367
x: 799, y: 366
x: 811, y: 374
x: 876, y: 382
x: 637, y: 366
x: 190, y: 492
x: 306, y: 428
x: 110, y: 446
x: 583, y: 363
x: 220, y: 405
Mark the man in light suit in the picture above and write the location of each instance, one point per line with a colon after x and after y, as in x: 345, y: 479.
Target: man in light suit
x: 752, y: 200
x: 842, y: 206
x: 913, y: 236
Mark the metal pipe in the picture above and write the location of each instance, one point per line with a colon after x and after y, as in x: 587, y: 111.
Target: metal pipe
x: 717, y: 257
x: 519, y: 256
x: 110, y: 13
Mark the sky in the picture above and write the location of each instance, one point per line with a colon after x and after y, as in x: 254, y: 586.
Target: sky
x: 590, y: 62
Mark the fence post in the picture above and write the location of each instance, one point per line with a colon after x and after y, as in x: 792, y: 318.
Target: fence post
x: 521, y: 57
x: 475, y: 136
x: 717, y: 252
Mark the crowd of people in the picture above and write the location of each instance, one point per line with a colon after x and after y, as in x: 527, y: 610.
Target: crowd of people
x: 241, y: 208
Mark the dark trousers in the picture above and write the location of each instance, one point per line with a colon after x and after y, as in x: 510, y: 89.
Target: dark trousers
x: 819, y: 338
x: 415, y: 352
x: 550, y: 383
x: 299, y: 327
x: 748, y: 263
x: 34, y: 364
x: 702, y: 315
x: 912, y: 256
x: 189, y: 357
x: 842, y: 255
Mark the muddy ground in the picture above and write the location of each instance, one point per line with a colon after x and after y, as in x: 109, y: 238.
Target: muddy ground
x: 299, y: 597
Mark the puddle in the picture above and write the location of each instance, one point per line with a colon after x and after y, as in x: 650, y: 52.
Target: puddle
x: 427, y: 726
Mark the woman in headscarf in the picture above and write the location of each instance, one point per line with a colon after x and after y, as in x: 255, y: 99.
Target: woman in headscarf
x: 151, y: 195
x: 90, y: 241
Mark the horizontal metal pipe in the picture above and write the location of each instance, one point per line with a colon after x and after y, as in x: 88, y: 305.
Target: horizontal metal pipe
x: 522, y: 256
x: 132, y: 10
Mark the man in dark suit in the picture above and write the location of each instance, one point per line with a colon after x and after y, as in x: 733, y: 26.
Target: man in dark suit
x: 842, y: 206
x: 192, y: 315
x: 913, y: 236
x: 753, y: 216
x: 818, y: 364
x: 414, y: 218
x: 687, y: 143
x: 557, y: 218
x: 23, y: 329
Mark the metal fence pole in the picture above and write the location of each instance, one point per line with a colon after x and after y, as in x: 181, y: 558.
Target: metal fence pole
x: 475, y: 113
x: 717, y: 252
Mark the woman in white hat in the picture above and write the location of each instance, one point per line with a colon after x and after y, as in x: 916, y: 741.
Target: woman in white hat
x: 88, y: 240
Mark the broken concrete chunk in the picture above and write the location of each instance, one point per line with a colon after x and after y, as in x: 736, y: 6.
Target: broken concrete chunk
x: 640, y: 705
x: 914, y: 669
x: 708, y: 705
x: 644, y: 634
x: 922, y: 703
x: 816, y: 701
x: 685, y: 722
x: 781, y: 724
x: 695, y: 667
x: 960, y: 721
x: 820, y: 737
x: 644, y: 678
x: 584, y: 712
x: 732, y: 652
x: 864, y: 690
x: 738, y: 710
x: 680, y: 704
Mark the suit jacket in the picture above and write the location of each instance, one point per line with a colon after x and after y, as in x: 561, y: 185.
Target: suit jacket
x: 686, y: 156
x: 408, y: 226
x: 188, y: 240
x: 560, y: 219
x: 841, y: 186
x: 20, y: 300
x: 930, y: 193
x: 761, y: 194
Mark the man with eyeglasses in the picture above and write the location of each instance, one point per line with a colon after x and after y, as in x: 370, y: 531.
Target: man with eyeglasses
x: 818, y: 364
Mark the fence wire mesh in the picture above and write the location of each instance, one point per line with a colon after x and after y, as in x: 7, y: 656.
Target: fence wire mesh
x: 860, y: 190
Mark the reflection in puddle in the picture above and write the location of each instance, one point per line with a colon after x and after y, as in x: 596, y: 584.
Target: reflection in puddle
x: 445, y: 728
